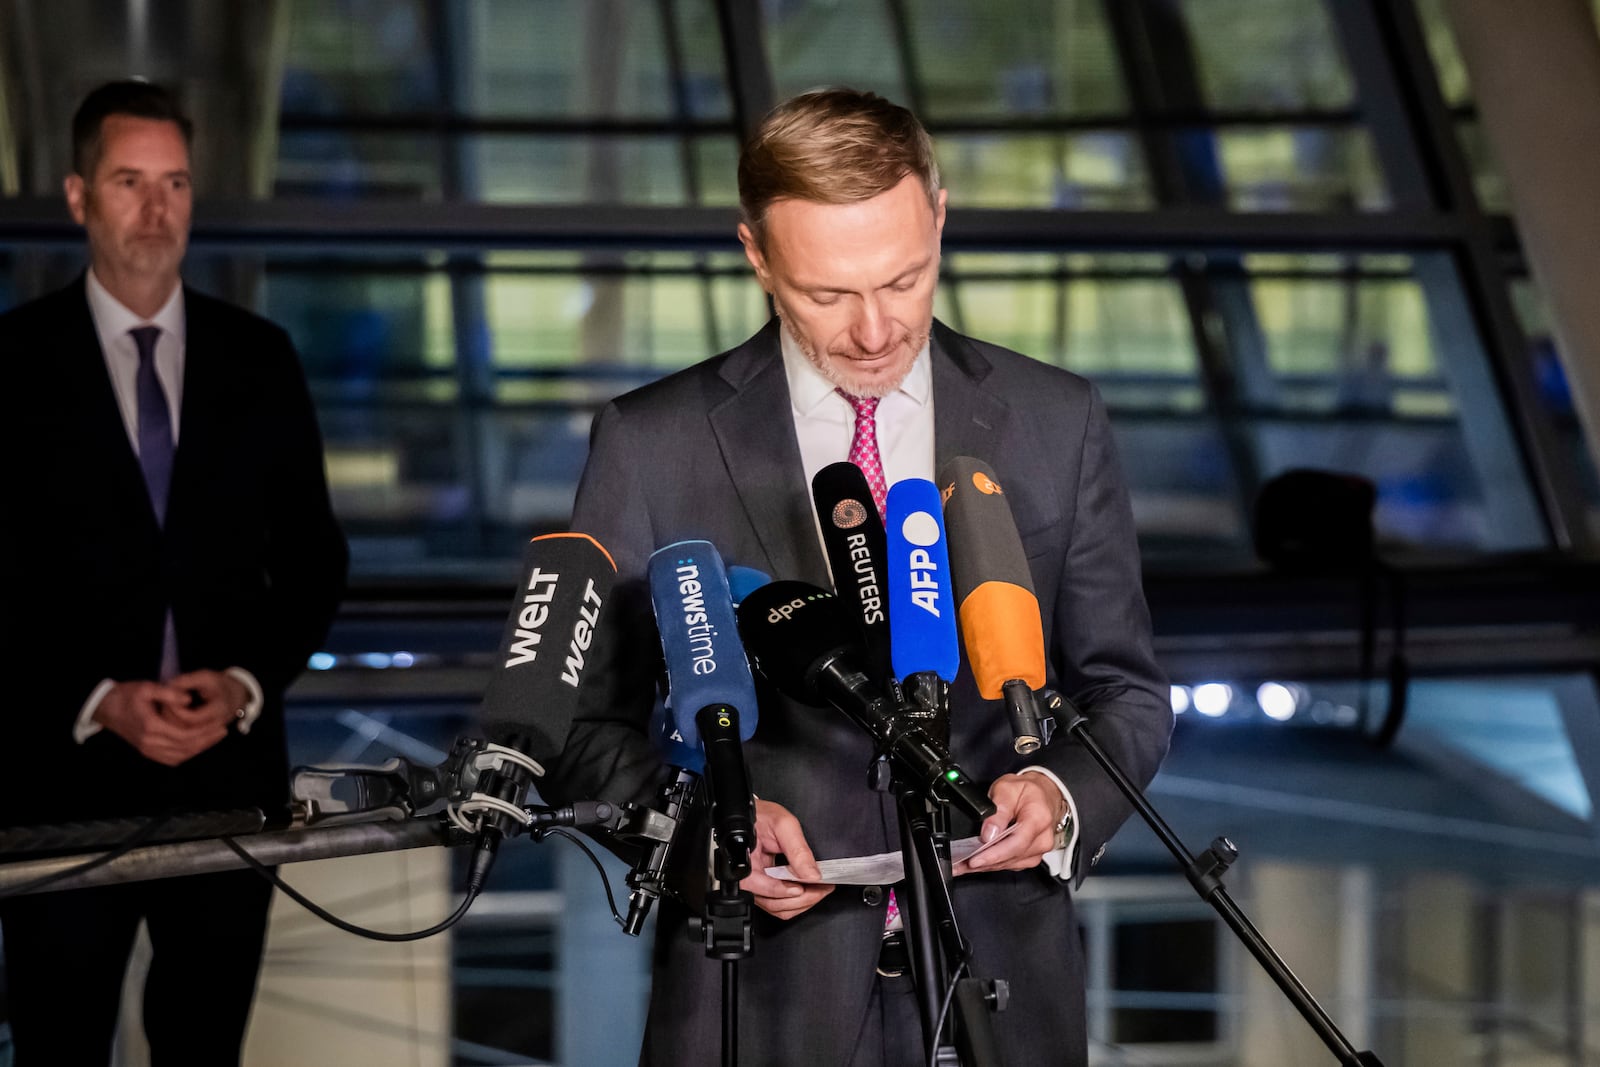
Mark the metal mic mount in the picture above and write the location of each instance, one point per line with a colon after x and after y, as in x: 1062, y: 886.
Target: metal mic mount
x: 1031, y: 729
x: 654, y: 829
x: 924, y: 697
x: 464, y: 785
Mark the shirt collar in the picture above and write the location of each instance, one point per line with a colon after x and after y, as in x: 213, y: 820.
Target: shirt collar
x: 809, y: 390
x: 113, y: 318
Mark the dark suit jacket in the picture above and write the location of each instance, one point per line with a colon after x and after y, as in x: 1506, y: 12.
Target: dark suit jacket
x: 711, y: 453
x: 251, y: 560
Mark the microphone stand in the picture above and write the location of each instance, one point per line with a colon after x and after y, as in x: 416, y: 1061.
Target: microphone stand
x: 933, y: 937
x: 1205, y: 875
x: 727, y: 932
x: 335, y: 810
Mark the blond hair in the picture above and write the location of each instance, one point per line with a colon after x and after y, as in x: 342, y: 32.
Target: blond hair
x: 833, y: 146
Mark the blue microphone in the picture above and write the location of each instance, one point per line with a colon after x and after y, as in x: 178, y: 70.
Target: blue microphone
x: 706, y: 665
x: 742, y: 581
x: 711, y: 696
x: 922, y: 608
x: 699, y: 730
x: 922, y: 605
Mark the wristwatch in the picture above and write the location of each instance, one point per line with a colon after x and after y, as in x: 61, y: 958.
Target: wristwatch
x: 1064, y: 829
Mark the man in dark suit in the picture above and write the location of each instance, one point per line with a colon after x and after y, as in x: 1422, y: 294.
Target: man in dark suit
x: 169, y: 559
x: 842, y: 214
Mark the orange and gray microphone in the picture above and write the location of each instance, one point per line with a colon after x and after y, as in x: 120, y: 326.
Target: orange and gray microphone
x: 996, y: 604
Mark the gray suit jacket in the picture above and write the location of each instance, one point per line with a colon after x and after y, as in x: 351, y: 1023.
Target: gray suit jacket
x: 711, y: 453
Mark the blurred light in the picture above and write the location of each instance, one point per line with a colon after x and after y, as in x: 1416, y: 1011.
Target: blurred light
x: 1277, y: 701
x: 376, y: 660
x: 1212, y: 698
x: 322, y: 661
x: 403, y: 659
x: 1345, y: 715
x: 1180, y: 699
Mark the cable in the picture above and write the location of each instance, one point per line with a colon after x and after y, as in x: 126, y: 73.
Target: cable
x: 328, y: 917
x: 144, y: 834
x: 605, y: 882
x: 949, y: 995
x: 414, y: 935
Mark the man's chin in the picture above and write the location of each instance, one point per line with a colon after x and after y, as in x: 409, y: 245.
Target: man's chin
x: 152, y: 258
x: 876, y: 381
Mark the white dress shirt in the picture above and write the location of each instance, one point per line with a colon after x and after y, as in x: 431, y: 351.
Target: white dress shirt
x: 824, y: 424
x: 112, y: 322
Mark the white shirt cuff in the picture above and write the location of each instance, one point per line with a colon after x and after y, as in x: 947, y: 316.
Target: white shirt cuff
x: 1059, y: 862
x: 253, y: 703
x: 86, y: 727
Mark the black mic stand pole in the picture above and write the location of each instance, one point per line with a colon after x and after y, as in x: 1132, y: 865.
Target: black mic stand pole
x: 932, y: 935
x: 1205, y: 875
x: 728, y: 935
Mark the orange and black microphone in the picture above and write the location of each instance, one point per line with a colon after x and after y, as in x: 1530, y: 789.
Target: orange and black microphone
x: 996, y: 604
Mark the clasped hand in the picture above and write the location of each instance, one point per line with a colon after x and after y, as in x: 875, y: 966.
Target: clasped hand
x: 174, y: 721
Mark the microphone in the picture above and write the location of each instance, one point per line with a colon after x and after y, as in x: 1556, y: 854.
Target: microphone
x: 742, y: 581
x: 530, y: 701
x: 853, y: 538
x: 708, y: 682
x: 994, y: 587
x: 799, y: 639
x: 922, y: 612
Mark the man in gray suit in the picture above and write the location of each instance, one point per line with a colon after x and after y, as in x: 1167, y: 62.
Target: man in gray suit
x: 842, y: 215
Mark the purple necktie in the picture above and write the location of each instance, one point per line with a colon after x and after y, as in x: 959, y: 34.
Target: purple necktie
x: 155, y: 422
x: 155, y: 457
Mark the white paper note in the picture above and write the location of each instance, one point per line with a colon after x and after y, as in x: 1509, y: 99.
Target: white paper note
x: 886, y: 868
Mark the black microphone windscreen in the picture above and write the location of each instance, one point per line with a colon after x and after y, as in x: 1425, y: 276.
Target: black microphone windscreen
x: 788, y: 627
x: 853, y: 536
x: 984, y: 543
x: 533, y: 694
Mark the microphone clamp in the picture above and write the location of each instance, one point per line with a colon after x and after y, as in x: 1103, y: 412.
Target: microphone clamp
x: 925, y: 698
x: 499, y: 778
x: 1022, y: 708
x: 474, y: 778
x: 653, y: 829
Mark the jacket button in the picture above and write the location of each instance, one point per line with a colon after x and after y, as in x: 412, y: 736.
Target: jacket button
x: 872, y: 895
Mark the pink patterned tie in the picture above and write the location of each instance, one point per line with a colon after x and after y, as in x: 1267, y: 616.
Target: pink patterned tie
x: 864, y: 454
x: 864, y: 445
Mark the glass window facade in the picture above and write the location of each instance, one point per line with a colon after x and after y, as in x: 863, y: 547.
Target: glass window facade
x: 1197, y: 204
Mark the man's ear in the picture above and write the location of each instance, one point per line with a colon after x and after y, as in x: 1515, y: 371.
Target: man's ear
x: 76, y: 193
x: 752, y: 252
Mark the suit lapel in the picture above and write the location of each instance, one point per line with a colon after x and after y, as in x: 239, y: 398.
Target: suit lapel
x: 755, y: 433
x: 193, y: 431
x: 105, y: 433
x: 967, y: 418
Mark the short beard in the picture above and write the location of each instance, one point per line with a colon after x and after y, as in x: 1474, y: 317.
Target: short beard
x: 826, y: 368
